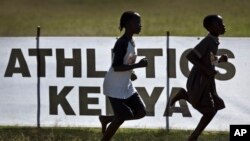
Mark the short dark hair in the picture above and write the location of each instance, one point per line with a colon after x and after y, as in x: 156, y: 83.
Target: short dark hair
x: 208, y: 20
x: 126, y: 17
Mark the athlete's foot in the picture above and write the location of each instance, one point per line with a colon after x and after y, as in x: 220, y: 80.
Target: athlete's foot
x: 104, y: 124
x: 180, y: 95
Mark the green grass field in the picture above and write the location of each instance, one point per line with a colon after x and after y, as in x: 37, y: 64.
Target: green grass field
x: 101, y: 17
x: 94, y: 134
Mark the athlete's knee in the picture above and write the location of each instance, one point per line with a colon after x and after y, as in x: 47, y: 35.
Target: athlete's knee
x: 118, y: 120
x: 210, y: 114
x: 141, y: 113
x: 125, y: 115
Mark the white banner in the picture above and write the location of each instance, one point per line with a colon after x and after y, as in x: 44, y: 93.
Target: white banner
x: 72, y: 71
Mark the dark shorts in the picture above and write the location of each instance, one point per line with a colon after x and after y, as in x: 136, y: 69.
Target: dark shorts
x: 129, y: 108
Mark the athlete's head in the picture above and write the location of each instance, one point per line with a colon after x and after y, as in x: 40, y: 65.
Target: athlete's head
x: 131, y: 21
x: 214, y: 24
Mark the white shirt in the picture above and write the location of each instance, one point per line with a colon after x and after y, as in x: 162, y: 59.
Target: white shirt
x: 117, y: 84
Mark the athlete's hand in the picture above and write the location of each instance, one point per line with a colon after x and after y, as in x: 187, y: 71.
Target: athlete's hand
x: 143, y: 62
x: 207, y: 71
x: 223, y: 58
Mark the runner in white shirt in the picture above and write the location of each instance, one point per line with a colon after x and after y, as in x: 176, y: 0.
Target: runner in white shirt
x: 124, y: 99
x: 117, y: 84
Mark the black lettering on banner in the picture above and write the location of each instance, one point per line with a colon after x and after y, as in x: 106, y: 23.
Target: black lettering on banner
x: 43, y: 53
x: 172, y: 63
x: 75, y: 62
x: 229, y: 67
x: 91, y: 70
x: 183, y: 109
x: 56, y: 99
x: 17, y: 64
x: 150, y: 54
x: 17, y: 56
x: 85, y: 100
x: 150, y: 99
x: 184, y: 63
x: 239, y: 132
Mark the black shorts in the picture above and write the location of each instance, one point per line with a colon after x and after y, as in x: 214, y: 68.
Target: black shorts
x: 127, y: 108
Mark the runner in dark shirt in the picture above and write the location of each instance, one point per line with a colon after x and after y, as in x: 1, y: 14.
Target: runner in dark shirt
x: 201, y: 89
